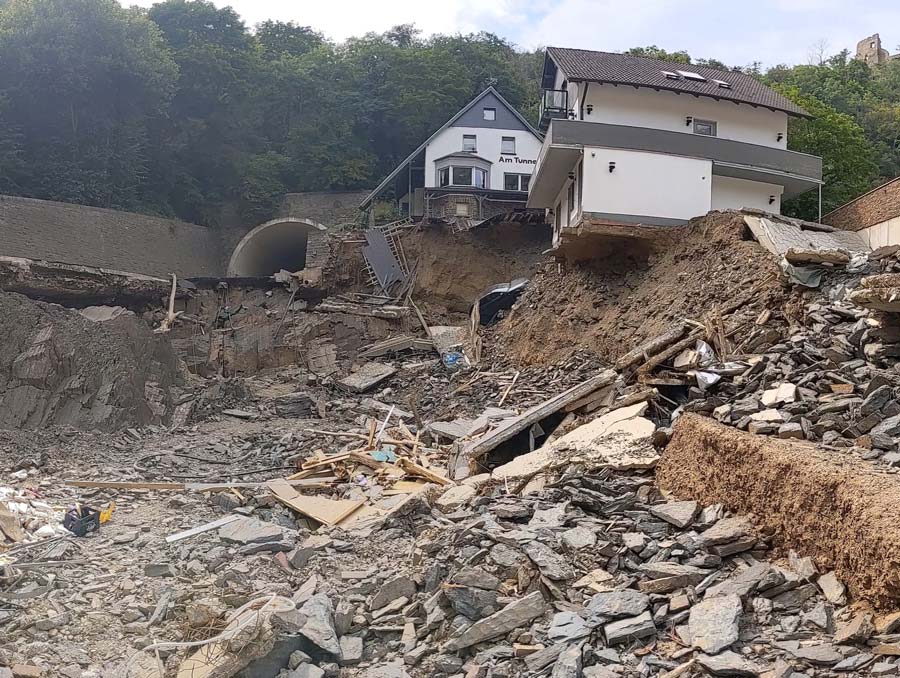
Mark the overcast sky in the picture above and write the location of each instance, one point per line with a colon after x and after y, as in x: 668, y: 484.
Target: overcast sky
x: 738, y: 33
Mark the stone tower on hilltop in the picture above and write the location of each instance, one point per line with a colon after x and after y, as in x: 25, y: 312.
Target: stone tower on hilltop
x: 871, y: 51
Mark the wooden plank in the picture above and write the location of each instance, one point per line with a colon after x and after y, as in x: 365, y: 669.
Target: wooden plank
x: 596, y: 398
x: 122, y: 485
x: 405, y: 487
x: 671, y: 352
x: 320, y: 509
x: 651, y: 347
x: 200, y: 529
x: 322, y: 482
x: 414, y: 469
x: 510, y: 427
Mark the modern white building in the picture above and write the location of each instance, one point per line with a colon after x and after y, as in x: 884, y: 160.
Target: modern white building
x: 637, y: 141
x: 475, y: 167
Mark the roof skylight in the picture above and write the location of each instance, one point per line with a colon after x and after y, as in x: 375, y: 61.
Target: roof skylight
x: 690, y: 75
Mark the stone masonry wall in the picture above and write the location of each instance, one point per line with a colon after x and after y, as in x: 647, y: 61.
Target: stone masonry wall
x: 137, y: 243
x: 93, y: 236
x: 874, y: 207
x: 327, y: 208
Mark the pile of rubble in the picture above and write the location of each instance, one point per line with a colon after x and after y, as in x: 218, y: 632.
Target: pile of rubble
x: 820, y: 369
x: 427, y: 506
x: 68, y: 368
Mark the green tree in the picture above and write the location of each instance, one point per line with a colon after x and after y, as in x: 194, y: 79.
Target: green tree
x: 848, y: 168
x: 654, y: 52
x: 278, y: 39
x: 81, y: 84
x: 214, y: 115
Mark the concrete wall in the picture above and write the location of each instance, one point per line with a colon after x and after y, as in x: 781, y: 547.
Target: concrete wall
x: 488, y: 147
x: 877, y: 206
x: 669, y: 111
x: 125, y: 241
x: 732, y: 193
x: 92, y: 236
x: 646, y: 184
x: 885, y: 233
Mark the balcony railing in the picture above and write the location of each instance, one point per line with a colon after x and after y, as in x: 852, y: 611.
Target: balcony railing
x: 554, y: 104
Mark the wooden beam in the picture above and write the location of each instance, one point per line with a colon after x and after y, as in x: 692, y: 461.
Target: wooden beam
x: 510, y: 427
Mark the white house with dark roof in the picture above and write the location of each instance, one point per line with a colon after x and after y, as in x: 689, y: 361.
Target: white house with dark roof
x: 631, y: 141
x: 476, y: 167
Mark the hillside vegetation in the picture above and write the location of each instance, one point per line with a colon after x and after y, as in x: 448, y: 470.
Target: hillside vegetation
x: 183, y: 109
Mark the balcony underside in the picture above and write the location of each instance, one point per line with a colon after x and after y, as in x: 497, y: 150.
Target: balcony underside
x: 567, y: 139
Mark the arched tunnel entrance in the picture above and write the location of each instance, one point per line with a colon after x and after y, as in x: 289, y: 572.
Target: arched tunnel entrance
x: 283, y: 243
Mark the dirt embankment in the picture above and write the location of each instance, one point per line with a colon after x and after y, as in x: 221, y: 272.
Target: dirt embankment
x: 59, y: 368
x: 838, y: 510
x: 629, y: 295
x: 454, y: 269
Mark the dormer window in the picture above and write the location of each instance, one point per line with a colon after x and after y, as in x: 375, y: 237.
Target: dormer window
x: 469, y: 144
x: 490, y: 113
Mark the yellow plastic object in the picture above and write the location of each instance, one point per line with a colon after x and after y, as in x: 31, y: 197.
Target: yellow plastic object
x: 106, y: 513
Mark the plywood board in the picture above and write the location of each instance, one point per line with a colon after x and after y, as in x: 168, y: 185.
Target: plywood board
x: 320, y: 509
x: 9, y: 525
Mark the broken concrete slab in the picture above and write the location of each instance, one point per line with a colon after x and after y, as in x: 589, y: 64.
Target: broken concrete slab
x: 780, y: 237
x: 618, y: 439
x: 510, y: 427
x: 367, y: 377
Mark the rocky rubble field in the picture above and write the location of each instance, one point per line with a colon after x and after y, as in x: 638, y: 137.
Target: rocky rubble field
x: 411, y: 517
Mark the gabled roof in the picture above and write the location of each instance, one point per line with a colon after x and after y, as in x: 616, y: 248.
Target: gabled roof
x: 490, y: 90
x: 581, y: 65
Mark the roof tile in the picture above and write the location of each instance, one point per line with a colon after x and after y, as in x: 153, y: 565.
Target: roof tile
x: 638, y: 71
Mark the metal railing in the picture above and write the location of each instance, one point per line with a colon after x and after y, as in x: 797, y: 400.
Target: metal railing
x: 554, y: 104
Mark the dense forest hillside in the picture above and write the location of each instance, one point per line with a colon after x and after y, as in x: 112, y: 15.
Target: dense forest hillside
x: 182, y: 108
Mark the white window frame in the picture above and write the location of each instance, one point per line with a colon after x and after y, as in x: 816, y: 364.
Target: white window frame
x: 570, y: 199
x: 455, y: 168
x: 489, y: 113
x: 503, y: 141
x: 519, y: 179
x: 713, y: 125
x: 477, y: 173
x: 474, y: 140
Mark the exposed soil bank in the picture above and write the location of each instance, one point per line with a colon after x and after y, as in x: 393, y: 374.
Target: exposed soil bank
x: 838, y: 510
x: 454, y: 269
x: 630, y: 293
